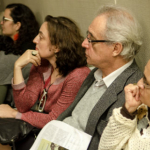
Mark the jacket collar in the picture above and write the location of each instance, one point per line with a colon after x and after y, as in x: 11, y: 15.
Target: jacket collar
x: 109, y: 97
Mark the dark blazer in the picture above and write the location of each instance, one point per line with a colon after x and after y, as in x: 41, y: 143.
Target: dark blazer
x: 112, y: 98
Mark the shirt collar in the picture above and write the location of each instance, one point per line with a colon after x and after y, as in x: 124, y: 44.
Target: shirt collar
x: 112, y: 76
x: 49, y: 72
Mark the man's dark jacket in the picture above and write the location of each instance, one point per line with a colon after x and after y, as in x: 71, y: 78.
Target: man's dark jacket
x: 112, y: 98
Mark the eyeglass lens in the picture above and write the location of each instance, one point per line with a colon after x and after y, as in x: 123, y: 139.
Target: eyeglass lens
x: 146, y: 85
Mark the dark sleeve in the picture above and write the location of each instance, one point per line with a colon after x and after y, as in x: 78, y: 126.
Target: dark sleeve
x: 148, y: 113
x: 126, y: 114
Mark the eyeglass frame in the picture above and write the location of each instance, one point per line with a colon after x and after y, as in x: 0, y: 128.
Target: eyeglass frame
x: 147, y: 86
x: 6, y: 19
x: 94, y: 41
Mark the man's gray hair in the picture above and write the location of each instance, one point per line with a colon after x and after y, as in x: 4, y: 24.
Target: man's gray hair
x: 122, y: 27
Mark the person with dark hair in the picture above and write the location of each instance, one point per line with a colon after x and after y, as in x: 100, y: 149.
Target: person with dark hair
x: 19, y: 27
x: 59, y: 68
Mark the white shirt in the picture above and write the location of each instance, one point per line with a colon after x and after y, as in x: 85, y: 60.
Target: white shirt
x: 112, y: 76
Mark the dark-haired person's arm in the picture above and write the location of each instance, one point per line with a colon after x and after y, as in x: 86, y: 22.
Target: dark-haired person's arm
x: 23, y: 60
x: 60, y: 96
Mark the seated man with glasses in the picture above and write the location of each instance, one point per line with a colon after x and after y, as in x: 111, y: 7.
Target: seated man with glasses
x: 113, y: 40
x: 129, y: 126
x: 18, y: 29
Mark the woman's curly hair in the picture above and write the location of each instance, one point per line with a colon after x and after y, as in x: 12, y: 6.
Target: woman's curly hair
x: 28, y: 30
x: 65, y: 35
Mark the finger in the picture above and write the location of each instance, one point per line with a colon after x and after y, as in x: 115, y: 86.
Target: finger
x: 35, y: 58
x: 35, y: 55
x: 38, y: 55
x: 141, y: 86
x: 135, y: 89
x: 39, y: 58
x: 137, y: 94
x: 131, y: 92
x: 34, y: 62
x: 141, y: 83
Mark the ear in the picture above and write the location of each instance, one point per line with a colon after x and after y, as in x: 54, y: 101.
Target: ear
x: 17, y: 26
x: 117, y: 49
x: 55, y: 49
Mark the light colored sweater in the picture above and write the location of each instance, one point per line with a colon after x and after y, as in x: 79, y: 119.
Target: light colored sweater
x: 126, y: 134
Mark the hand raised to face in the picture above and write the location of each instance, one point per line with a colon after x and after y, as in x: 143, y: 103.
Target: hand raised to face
x: 30, y: 56
x: 132, y: 94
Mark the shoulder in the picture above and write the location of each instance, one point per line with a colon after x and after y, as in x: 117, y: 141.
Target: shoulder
x: 130, y: 75
x: 133, y: 68
x: 134, y: 72
x: 77, y: 75
x: 83, y: 71
x: 8, y: 59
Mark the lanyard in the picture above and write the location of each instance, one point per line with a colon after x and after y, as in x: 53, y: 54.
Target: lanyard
x: 43, y: 98
x: 47, y: 81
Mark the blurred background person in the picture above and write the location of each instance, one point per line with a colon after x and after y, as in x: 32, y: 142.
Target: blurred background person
x: 19, y: 27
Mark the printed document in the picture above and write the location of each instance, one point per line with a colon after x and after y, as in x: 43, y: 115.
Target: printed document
x: 62, y: 137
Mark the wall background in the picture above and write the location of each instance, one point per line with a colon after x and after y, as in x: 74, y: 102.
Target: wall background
x: 83, y: 12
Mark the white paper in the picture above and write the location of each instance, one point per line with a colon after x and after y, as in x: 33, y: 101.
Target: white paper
x: 64, y: 135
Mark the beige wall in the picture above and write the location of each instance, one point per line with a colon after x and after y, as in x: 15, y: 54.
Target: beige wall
x: 83, y: 11
x: 1, y: 5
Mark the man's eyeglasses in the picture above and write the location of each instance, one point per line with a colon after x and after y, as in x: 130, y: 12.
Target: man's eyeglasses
x: 94, y: 41
x: 146, y: 85
x: 6, y: 19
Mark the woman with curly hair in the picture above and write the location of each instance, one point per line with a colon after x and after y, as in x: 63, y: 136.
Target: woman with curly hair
x: 19, y: 27
x: 59, y: 69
